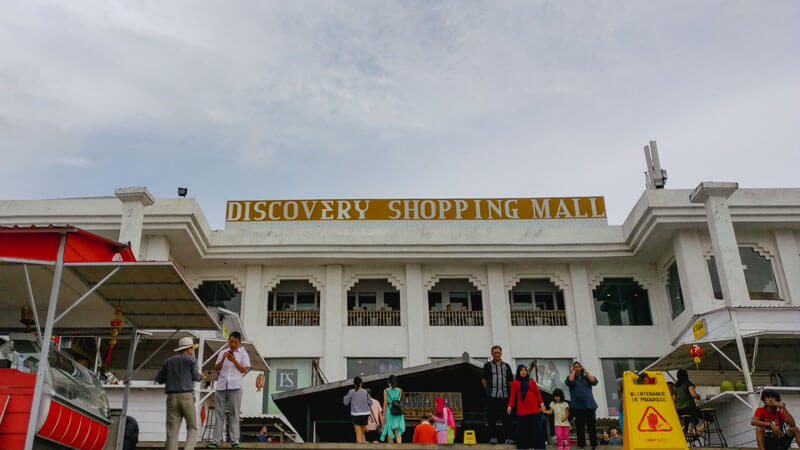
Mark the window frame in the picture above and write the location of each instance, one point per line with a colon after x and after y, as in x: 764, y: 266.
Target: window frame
x: 711, y: 270
x: 617, y: 283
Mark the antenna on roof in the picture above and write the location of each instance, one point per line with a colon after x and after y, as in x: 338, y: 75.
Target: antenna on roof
x: 656, y: 176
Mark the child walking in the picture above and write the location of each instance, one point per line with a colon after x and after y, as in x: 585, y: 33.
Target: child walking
x: 559, y: 408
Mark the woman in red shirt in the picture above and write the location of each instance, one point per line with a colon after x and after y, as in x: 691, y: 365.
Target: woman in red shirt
x: 525, y: 394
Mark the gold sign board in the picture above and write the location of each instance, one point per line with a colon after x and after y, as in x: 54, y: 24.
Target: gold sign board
x: 417, y: 209
x: 417, y: 404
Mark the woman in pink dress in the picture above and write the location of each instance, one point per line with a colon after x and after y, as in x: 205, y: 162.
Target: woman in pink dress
x: 443, y: 419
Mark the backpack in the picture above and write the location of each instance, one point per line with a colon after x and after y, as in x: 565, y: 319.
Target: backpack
x: 395, y: 407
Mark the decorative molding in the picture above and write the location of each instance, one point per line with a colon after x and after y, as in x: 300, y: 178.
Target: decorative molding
x: 431, y: 282
x: 197, y: 280
x: 642, y: 279
x: 275, y: 280
x: 768, y: 254
x: 393, y: 279
x: 556, y: 279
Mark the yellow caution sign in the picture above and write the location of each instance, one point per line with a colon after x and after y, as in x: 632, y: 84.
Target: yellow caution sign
x: 469, y: 437
x: 651, y: 420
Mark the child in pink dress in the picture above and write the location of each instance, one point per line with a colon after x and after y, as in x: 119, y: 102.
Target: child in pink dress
x: 559, y: 408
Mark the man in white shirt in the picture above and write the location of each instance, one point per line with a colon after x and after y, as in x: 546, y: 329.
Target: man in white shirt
x: 231, y: 367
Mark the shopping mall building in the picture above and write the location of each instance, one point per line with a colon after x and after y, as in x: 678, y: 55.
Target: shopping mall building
x: 329, y: 289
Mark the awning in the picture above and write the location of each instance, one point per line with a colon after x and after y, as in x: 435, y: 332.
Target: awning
x: 61, y: 279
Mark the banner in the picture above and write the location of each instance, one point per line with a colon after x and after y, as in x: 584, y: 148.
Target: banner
x: 417, y: 209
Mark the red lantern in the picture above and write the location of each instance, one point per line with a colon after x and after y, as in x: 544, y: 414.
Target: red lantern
x: 696, y: 352
x: 260, y: 381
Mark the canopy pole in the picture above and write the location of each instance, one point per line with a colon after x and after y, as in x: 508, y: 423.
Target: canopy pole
x: 87, y: 294
x: 224, y: 347
x: 200, y: 352
x: 33, y: 305
x: 755, y: 355
x: 748, y: 380
x: 45, y: 350
x: 128, y: 372
x: 725, y: 356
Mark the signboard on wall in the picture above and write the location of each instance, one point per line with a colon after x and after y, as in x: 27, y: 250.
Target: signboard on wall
x: 699, y: 329
x: 417, y: 209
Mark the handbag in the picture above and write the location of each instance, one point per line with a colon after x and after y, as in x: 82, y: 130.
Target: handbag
x: 395, y: 407
x: 775, y: 441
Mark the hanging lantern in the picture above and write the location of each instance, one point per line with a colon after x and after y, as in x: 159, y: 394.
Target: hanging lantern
x: 260, y: 381
x: 696, y: 352
x: 116, y: 324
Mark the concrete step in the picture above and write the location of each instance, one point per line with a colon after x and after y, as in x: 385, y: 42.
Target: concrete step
x: 352, y: 445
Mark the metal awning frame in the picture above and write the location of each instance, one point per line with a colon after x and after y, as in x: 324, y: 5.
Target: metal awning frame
x: 46, y: 332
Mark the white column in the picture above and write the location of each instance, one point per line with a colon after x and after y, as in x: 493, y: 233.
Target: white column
x: 692, y: 270
x: 133, y: 199
x: 726, y: 253
x: 253, y: 311
x: 332, y: 320
x: 585, y: 327
x: 155, y: 248
x: 498, y: 308
x: 789, y: 256
x: 415, y: 315
x: 723, y: 239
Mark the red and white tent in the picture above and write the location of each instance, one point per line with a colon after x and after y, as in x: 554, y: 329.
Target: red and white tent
x: 74, y: 280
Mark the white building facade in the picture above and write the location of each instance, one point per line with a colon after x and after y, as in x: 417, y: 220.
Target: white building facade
x: 335, y: 298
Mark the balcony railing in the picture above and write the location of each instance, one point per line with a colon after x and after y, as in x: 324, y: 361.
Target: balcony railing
x: 293, y: 318
x: 539, y: 317
x: 456, y: 318
x: 373, y: 318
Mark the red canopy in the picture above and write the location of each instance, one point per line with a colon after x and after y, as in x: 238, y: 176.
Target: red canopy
x: 41, y: 243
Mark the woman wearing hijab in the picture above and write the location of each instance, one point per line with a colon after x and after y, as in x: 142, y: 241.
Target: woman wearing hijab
x: 526, y: 396
x: 443, y: 422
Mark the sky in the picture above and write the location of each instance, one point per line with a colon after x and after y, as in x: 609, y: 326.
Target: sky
x: 379, y: 99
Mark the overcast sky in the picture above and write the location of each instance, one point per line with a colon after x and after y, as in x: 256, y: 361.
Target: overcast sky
x: 292, y: 99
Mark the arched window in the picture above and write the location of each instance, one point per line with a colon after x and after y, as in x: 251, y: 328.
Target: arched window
x: 455, y: 302
x: 293, y: 303
x: 220, y: 294
x: 674, y: 292
x: 537, y: 302
x: 622, y: 301
x: 373, y: 302
x: 758, y: 274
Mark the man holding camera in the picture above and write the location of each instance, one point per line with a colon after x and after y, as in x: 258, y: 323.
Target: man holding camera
x: 231, y: 366
x: 582, y: 403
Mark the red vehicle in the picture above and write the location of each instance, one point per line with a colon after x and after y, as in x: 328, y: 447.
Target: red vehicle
x: 74, y: 410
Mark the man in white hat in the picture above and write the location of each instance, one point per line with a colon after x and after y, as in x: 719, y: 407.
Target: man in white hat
x: 178, y: 375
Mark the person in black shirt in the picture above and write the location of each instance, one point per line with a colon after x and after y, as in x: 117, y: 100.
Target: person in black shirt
x: 496, y: 379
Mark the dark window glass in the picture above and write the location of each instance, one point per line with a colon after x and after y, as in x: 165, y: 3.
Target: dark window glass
x: 285, y: 302
x: 220, y: 294
x: 674, y: 291
x: 351, y: 301
x: 621, y: 301
x: 435, y: 301
x: 457, y: 300
x: 545, y: 300
x: 391, y: 300
x: 306, y: 301
x: 477, y: 301
x: 521, y: 301
x: 758, y: 274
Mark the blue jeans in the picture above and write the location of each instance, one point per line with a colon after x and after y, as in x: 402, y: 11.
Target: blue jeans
x: 621, y: 421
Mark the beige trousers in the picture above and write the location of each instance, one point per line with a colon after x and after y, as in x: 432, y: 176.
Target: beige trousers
x: 181, y: 406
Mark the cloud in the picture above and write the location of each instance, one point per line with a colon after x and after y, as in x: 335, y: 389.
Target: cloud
x: 395, y: 98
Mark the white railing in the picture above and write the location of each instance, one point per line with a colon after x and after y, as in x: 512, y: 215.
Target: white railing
x: 456, y: 318
x: 373, y: 318
x: 292, y: 318
x: 539, y: 317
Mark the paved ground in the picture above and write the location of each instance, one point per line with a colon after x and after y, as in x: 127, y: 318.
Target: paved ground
x: 345, y: 445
